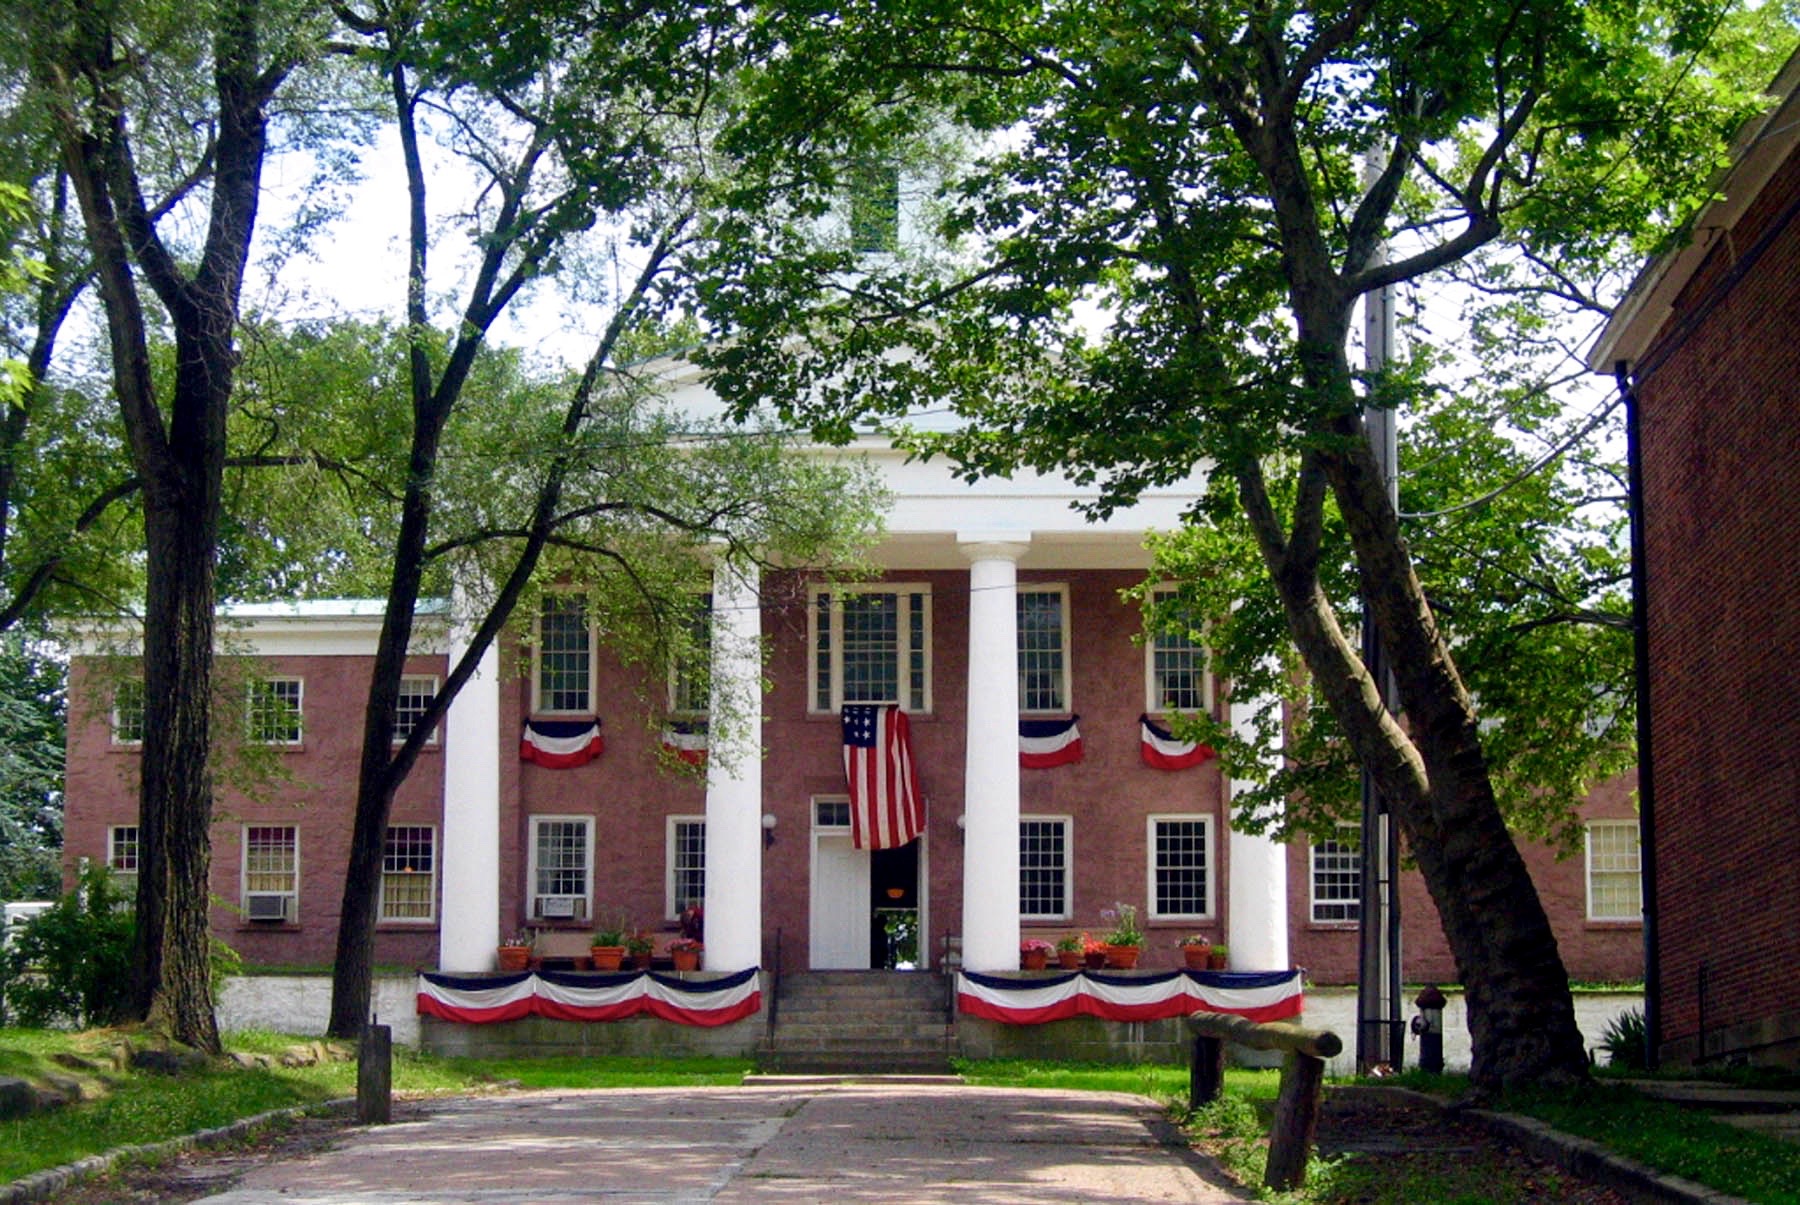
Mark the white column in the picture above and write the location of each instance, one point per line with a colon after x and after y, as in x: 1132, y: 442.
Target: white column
x: 734, y: 774
x: 990, y: 920
x: 469, y: 920
x: 1258, y: 928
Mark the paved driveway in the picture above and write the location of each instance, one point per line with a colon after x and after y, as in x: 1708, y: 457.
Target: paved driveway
x: 802, y: 1140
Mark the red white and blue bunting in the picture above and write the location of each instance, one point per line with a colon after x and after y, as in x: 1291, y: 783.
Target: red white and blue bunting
x: 1161, y: 751
x: 578, y: 996
x: 1257, y: 995
x: 686, y: 740
x: 1046, y: 743
x: 560, y: 744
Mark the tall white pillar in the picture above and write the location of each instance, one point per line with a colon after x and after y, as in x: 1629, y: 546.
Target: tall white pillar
x: 990, y: 920
x: 1258, y: 926
x: 734, y: 773
x: 469, y: 915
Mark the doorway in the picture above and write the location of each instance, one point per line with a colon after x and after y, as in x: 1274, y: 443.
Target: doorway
x: 865, y: 910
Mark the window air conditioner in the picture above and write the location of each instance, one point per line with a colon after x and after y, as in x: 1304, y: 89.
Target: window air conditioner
x: 265, y: 906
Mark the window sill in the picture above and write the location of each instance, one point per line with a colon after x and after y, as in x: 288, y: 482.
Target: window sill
x: 406, y: 926
x: 270, y: 927
x: 1605, y: 926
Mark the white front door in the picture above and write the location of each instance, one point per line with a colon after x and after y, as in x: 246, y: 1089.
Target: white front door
x: 840, y: 903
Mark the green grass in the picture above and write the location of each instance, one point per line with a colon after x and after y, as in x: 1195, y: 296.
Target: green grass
x: 124, y: 1108
x: 1168, y: 1084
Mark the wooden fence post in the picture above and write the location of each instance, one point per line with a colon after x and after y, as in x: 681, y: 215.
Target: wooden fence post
x: 375, y: 1076
x: 1296, y: 1120
x: 1206, y: 1071
x: 1302, y: 1078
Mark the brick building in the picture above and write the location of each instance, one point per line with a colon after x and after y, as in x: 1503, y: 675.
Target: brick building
x: 1707, y: 335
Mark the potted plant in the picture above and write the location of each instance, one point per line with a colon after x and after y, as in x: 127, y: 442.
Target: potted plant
x: 1216, y: 957
x: 608, y: 947
x: 514, y: 953
x: 1194, y: 950
x: 1093, y: 952
x: 1034, y: 954
x: 1125, y: 941
x: 686, y: 953
x: 1068, y: 952
x: 640, y: 946
x: 693, y: 921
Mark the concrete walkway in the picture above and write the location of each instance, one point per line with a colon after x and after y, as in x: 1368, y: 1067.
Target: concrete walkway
x: 796, y: 1140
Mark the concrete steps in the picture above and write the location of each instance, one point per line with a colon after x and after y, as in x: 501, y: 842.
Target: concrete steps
x: 859, y: 1022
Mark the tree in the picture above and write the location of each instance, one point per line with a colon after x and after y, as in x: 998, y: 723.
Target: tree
x: 1194, y: 174
x: 119, y: 81
x: 32, y: 717
x: 565, y: 118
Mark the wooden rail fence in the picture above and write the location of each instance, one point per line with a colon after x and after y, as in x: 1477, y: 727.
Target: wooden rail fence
x: 1302, y: 1078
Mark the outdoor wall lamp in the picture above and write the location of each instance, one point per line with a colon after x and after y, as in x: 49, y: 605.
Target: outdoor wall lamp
x: 768, y: 825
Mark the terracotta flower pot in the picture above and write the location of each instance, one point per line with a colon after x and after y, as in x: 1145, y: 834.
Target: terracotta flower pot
x: 686, y: 960
x: 1196, y: 956
x: 514, y: 958
x: 1093, y: 960
x: 1122, y: 957
x: 608, y: 958
x: 1069, y: 960
x: 1033, y: 960
x: 1215, y: 962
x: 641, y: 962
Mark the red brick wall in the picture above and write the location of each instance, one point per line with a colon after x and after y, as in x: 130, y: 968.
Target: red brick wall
x: 1592, y: 951
x: 1721, y: 451
x: 319, y: 798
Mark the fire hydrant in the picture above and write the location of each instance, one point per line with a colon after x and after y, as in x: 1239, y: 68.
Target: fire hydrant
x: 1429, y: 1025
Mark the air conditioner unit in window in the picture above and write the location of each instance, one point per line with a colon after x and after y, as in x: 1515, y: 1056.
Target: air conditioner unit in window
x: 552, y: 907
x: 266, y: 906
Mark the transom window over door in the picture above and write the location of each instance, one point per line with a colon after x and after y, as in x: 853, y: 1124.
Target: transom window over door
x: 870, y: 644
x: 1043, y: 649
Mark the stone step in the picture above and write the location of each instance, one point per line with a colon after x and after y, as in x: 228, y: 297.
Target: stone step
x: 865, y: 1028
x: 829, y: 1041
x: 827, y: 1065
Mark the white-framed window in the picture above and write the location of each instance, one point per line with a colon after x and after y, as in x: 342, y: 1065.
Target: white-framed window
x: 690, y: 686
x: 563, y: 661
x: 870, y: 644
x: 416, y: 693
x: 1176, y: 676
x: 1337, y: 877
x: 1614, y: 871
x: 686, y: 881
x: 271, y: 874
x: 1180, y: 866
x: 1043, y: 648
x: 831, y: 814
x: 128, y: 712
x: 1045, y: 866
x: 274, y: 711
x: 409, y: 873
x: 122, y: 855
x: 560, y: 867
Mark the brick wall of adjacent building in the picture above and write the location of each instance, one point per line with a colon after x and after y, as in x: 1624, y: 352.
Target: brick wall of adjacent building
x: 1720, y: 393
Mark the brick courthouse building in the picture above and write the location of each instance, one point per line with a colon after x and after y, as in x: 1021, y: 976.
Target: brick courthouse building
x: 1708, y: 337
x: 997, y: 626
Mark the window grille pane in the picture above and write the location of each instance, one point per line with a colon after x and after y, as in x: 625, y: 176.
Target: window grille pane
x: 871, y: 648
x: 122, y: 848
x: 1177, y: 670
x: 274, y: 708
x: 1336, y: 881
x: 1043, y: 866
x: 563, y: 662
x: 831, y: 813
x: 1041, y: 651
x: 562, y: 857
x: 822, y: 654
x: 409, y: 706
x: 692, y: 689
x: 128, y: 712
x: 1615, y: 889
x: 1181, y: 868
x: 689, y: 869
x: 271, y: 859
x: 915, y: 628
x: 408, y: 860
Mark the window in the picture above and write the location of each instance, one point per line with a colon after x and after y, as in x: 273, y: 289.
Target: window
x: 128, y: 712
x: 871, y: 644
x: 690, y: 688
x: 687, y: 863
x: 1044, y: 864
x: 415, y: 696
x: 122, y: 855
x: 561, y: 867
x: 409, y: 873
x: 831, y: 813
x: 1043, y: 649
x: 874, y: 206
x: 1614, y: 885
x: 1337, y: 878
x: 271, y: 872
x: 1177, y: 670
x: 1180, y: 858
x: 274, y: 711
x: 565, y: 657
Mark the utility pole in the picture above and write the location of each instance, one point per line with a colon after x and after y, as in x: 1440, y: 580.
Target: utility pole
x: 1380, y: 1036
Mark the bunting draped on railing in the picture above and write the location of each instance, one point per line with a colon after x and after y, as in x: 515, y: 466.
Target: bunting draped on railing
x: 1046, y: 743
x: 577, y: 996
x: 1161, y: 751
x: 1257, y: 995
x: 560, y: 744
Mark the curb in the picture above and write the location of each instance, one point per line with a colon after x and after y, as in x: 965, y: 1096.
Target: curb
x: 1578, y: 1156
x: 40, y: 1186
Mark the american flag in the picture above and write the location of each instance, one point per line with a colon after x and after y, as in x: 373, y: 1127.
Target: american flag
x: 884, y: 797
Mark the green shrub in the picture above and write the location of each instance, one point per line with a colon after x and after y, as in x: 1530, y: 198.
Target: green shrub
x: 71, y: 965
x: 1627, y: 1041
